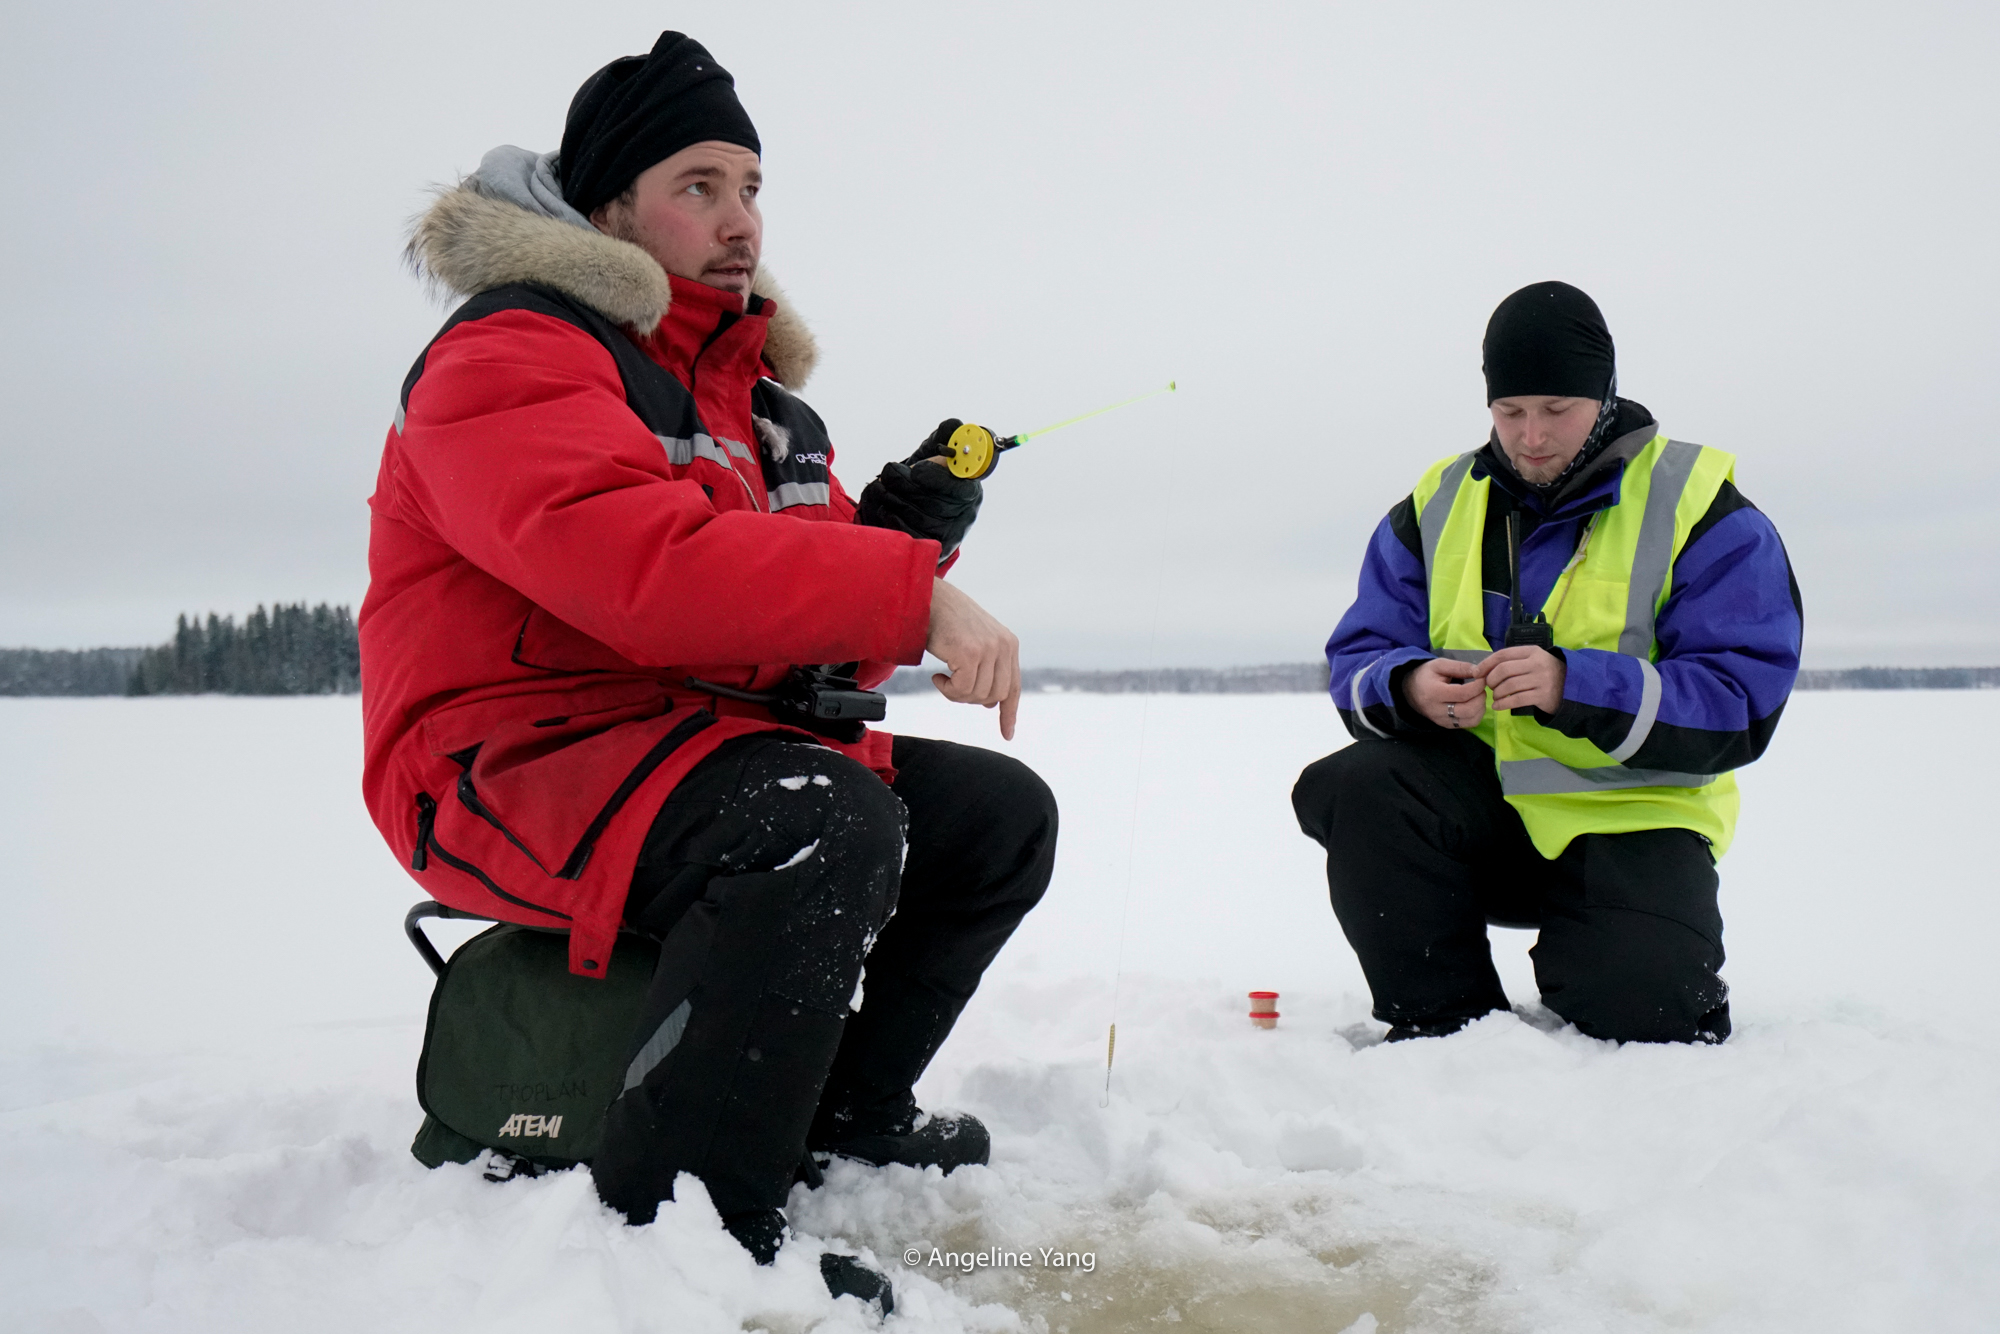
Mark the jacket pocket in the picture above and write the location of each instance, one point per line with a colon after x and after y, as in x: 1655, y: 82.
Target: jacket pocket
x: 554, y: 714
x: 551, y: 644
x: 547, y: 772
x: 578, y: 856
x: 428, y: 847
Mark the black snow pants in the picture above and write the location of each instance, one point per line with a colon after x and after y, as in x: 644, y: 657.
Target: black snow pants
x: 1423, y: 852
x: 771, y: 875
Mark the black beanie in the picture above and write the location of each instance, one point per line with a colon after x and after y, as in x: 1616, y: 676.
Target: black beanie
x: 639, y: 110
x: 1548, y: 338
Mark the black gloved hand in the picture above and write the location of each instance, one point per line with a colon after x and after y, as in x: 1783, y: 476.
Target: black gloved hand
x: 923, y: 499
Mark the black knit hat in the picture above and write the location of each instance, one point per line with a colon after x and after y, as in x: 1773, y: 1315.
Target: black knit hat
x: 1548, y: 338
x: 639, y: 110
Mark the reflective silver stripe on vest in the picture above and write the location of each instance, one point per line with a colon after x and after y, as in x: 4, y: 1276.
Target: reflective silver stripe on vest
x: 1649, y: 712
x: 681, y: 452
x: 1463, y: 654
x: 706, y: 447
x: 1542, y: 778
x: 1354, y: 696
x: 738, y: 448
x: 789, y: 494
x: 1438, y: 509
x: 1655, y: 548
x: 658, y: 1047
x: 399, y: 419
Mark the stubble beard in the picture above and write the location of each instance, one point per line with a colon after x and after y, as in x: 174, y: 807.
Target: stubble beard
x: 621, y: 226
x: 736, y: 254
x: 1538, y: 474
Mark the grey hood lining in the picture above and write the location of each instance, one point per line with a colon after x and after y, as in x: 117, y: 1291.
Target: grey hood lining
x: 527, y: 181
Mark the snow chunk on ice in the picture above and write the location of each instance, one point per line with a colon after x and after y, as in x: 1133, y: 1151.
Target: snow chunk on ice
x: 821, y: 780
x: 1317, y: 1144
x: 799, y: 856
x: 792, y: 784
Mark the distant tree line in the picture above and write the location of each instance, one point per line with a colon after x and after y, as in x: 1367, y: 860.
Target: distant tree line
x: 283, y: 650
x: 1293, y: 678
x: 56, y: 671
x: 299, y: 651
x: 1304, y: 678
x: 1901, y: 678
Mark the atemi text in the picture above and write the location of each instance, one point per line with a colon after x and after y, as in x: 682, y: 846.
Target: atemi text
x: 521, y: 1125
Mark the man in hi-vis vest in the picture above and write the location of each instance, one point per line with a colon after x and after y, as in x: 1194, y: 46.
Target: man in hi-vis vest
x: 1563, y: 644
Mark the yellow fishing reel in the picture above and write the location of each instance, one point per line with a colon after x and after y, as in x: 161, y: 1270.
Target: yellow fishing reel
x: 973, y: 451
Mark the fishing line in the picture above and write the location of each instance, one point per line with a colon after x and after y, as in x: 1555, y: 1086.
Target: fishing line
x: 1166, y: 388
x: 973, y: 451
x: 1138, y: 781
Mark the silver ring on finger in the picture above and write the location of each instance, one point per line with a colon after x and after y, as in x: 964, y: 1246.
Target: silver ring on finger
x: 1451, y: 712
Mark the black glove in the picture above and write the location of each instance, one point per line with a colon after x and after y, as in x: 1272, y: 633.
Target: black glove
x: 923, y: 499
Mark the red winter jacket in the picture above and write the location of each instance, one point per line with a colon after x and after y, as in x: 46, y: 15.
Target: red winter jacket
x: 561, y: 536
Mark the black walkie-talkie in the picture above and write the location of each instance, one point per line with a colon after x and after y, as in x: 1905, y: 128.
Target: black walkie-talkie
x: 1520, y: 628
x: 825, y: 699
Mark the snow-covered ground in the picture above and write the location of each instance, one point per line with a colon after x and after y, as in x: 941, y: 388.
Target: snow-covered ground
x: 209, y: 1022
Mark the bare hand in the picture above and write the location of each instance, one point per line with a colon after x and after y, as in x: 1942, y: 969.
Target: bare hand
x: 1447, y: 692
x: 1523, y: 677
x: 984, y: 656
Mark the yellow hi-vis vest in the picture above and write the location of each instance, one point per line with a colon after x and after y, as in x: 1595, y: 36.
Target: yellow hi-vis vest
x: 1606, y: 599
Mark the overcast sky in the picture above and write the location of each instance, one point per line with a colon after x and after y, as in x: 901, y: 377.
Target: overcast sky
x: 1014, y: 213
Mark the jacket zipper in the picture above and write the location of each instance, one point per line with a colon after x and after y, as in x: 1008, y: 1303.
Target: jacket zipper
x: 579, y: 857
x: 722, y: 326
x: 746, y: 485
x: 468, y: 797
x: 427, y: 809
x: 427, y: 844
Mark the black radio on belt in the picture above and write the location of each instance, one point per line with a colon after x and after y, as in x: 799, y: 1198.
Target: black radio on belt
x: 826, y: 700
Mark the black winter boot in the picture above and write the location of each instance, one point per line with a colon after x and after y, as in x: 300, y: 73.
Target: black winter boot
x: 914, y: 1138
x: 1436, y: 1028
x: 868, y: 1112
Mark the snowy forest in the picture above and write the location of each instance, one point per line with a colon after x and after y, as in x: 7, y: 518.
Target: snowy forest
x: 285, y: 650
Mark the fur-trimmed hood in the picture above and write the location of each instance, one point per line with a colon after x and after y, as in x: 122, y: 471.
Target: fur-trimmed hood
x: 473, y: 239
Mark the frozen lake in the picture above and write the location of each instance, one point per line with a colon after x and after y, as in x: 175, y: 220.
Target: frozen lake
x: 213, y: 1022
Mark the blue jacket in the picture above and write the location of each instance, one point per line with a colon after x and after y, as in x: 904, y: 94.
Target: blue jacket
x: 1729, y: 634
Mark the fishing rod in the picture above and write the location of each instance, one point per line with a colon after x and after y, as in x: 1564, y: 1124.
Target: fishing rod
x: 974, y: 451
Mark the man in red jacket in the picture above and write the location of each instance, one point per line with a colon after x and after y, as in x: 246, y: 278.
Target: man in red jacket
x: 604, y: 532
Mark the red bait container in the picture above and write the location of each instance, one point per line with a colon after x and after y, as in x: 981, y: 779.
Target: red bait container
x: 1264, y: 1009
